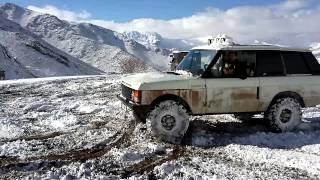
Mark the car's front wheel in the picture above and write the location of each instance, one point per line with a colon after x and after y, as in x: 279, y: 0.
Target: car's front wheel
x: 169, y: 121
x: 284, y: 115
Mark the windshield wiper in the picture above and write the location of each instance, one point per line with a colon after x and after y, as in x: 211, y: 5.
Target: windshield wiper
x: 173, y: 72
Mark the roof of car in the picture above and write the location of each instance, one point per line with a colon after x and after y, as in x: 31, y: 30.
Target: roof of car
x: 249, y: 47
x: 180, y: 51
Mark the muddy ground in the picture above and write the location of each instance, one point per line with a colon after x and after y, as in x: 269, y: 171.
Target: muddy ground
x: 77, y: 129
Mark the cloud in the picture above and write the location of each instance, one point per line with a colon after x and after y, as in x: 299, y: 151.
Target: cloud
x: 62, y: 14
x: 293, y: 22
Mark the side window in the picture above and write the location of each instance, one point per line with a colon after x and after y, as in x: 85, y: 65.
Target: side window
x: 269, y: 63
x: 249, y: 59
x: 312, y: 62
x: 295, y: 63
x: 235, y: 64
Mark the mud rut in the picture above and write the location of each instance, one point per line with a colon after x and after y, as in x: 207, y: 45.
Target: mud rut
x: 123, y: 139
x: 119, y: 140
x: 98, y: 150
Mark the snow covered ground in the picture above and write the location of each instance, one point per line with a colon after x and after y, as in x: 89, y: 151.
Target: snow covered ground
x: 72, y: 128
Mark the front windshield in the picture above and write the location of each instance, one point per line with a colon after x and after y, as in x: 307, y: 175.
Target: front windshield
x: 196, y: 61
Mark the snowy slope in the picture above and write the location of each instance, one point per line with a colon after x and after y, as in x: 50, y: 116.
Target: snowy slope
x: 103, y: 48
x: 24, y: 55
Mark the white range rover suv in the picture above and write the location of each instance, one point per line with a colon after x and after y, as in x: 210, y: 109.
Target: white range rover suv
x: 226, y: 79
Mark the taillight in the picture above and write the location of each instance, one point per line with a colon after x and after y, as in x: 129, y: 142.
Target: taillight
x: 136, y: 96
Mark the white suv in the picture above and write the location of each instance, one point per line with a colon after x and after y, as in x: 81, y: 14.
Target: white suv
x: 235, y: 79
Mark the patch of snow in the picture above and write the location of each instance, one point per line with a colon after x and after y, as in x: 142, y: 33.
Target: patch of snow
x: 10, y: 131
x: 61, y: 120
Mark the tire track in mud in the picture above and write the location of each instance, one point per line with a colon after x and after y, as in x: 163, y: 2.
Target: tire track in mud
x: 147, y: 165
x: 221, y: 156
x: 41, y: 90
x: 121, y: 139
x: 36, y: 137
x: 94, y: 126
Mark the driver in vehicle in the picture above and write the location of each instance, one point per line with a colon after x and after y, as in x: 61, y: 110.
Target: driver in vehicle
x: 232, y: 66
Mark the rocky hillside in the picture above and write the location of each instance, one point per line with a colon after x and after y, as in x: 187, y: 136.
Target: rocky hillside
x: 103, y: 48
x: 24, y: 55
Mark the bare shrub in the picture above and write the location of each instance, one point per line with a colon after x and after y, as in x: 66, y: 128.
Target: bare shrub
x: 132, y: 66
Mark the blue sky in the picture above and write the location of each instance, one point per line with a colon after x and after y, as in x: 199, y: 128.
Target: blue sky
x: 288, y: 22
x: 126, y: 10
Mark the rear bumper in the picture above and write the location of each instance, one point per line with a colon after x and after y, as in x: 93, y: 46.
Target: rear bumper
x: 140, y: 111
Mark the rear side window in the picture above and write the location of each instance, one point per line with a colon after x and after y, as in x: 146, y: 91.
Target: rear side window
x: 312, y: 62
x: 269, y: 63
x: 295, y: 63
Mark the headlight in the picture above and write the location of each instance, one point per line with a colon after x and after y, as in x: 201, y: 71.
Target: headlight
x: 136, y: 96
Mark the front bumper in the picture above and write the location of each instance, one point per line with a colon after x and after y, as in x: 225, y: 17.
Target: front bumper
x: 140, y: 111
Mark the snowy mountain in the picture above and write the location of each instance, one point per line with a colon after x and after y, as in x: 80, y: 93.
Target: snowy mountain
x: 155, y: 41
x: 103, y: 48
x: 24, y: 55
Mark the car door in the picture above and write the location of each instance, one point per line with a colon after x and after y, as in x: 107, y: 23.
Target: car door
x: 272, y: 79
x: 232, y: 94
x: 284, y: 72
x: 197, y: 95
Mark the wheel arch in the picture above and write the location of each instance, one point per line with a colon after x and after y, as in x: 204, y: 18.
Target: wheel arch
x: 171, y: 97
x: 286, y: 94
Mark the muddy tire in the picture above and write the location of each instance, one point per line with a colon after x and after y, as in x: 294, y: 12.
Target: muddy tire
x: 284, y: 115
x: 168, y: 121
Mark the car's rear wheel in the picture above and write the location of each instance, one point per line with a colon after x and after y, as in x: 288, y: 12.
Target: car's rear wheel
x: 168, y: 121
x: 284, y: 114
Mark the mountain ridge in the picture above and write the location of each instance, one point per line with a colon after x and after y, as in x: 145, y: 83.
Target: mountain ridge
x: 24, y: 55
x: 100, y: 47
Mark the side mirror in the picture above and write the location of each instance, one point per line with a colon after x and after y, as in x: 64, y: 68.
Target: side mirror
x: 243, y: 77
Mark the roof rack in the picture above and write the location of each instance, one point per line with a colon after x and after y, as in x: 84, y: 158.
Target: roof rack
x: 255, y: 45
